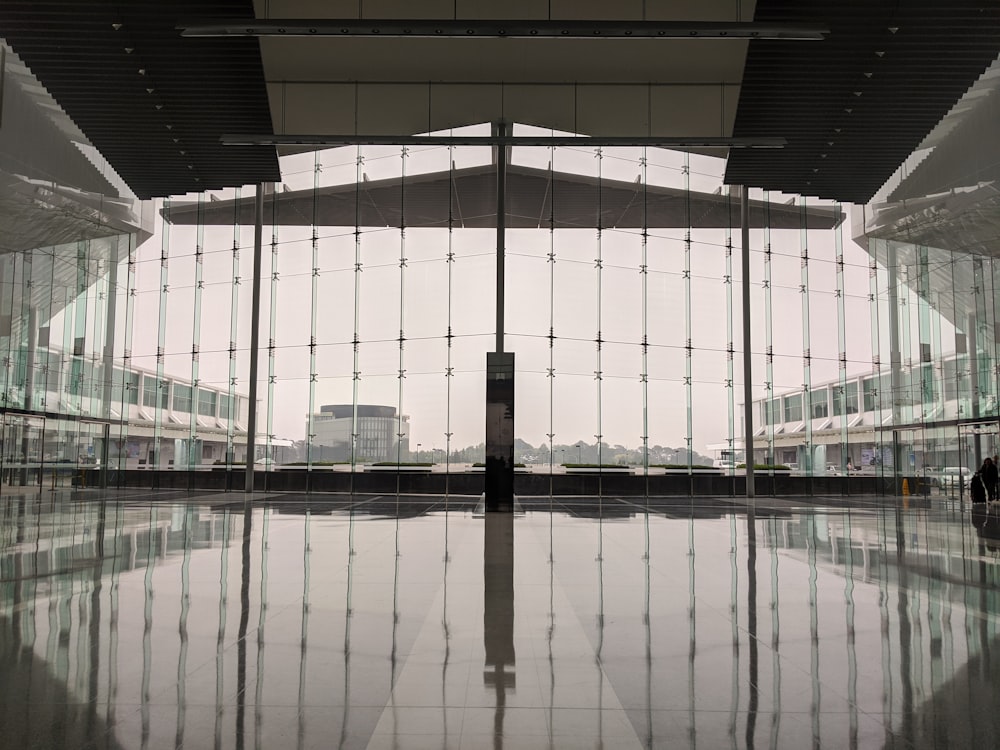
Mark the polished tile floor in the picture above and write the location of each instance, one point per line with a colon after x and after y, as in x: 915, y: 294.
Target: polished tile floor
x: 167, y: 621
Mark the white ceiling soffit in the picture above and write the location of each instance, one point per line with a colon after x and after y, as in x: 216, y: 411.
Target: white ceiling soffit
x: 608, y: 87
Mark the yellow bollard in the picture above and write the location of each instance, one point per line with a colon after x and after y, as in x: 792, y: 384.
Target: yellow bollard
x: 906, y: 488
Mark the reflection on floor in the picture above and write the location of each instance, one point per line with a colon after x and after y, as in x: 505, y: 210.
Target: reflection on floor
x: 160, y: 620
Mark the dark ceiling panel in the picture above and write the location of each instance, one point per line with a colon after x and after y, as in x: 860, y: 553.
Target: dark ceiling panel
x: 854, y: 106
x: 152, y: 102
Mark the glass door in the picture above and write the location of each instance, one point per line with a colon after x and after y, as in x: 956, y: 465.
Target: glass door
x: 22, y: 450
x: 977, y: 442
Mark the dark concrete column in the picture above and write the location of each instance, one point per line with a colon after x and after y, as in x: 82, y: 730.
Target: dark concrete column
x: 500, y: 431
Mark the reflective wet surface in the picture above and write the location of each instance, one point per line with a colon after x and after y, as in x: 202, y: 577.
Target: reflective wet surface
x: 383, y: 622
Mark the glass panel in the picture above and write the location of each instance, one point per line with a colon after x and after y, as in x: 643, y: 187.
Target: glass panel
x: 182, y: 398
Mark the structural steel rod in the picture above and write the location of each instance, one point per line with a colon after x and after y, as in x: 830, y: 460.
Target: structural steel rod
x: 500, y: 130
x: 747, y: 359
x: 258, y: 235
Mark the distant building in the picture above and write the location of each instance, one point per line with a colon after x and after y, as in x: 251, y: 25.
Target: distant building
x: 837, y: 423
x: 161, y: 422
x: 381, y: 433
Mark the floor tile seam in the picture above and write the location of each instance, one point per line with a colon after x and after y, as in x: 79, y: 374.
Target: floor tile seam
x: 390, y: 702
x: 823, y: 685
x: 568, y: 605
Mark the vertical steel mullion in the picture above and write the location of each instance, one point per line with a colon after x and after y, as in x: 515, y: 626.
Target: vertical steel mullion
x: 27, y: 335
x: 924, y: 333
x: 272, y: 337
x: 313, y: 301
x: 937, y: 356
x: 730, y: 343
x: 98, y: 292
x: 161, y: 340
x: 357, y: 312
x: 769, y: 325
x: 747, y: 348
x: 644, y: 375
x: 842, y: 346
x: 258, y: 232
x: 891, y: 308
x: 688, y: 339
x: 904, y: 378
x: 600, y: 321
x: 994, y: 323
x: 108, y: 349
x: 45, y: 314
x: 404, y: 152
x: 7, y: 295
x: 449, y: 338
x: 272, y: 320
x: 806, y: 348
x: 130, y: 293
x: 108, y: 360
x: 80, y: 321
x: 552, y: 318
x: 66, y: 360
x: 199, y: 259
x: 984, y: 377
x: 233, y: 412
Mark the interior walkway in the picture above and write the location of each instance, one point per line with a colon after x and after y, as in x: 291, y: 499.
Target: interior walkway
x: 160, y: 620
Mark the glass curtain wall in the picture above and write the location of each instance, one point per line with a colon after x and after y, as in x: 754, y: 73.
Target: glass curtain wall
x: 62, y: 341
x: 378, y: 298
x: 937, y: 338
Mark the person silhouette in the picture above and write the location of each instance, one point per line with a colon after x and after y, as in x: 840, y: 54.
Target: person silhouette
x: 989, y: 473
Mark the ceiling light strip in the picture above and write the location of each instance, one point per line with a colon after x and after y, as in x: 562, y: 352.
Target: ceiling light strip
x: 513, y: 29
x: 489, y: 140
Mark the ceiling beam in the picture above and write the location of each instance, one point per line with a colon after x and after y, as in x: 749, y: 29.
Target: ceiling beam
x: 329, y: 141
x: 563, y: 29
